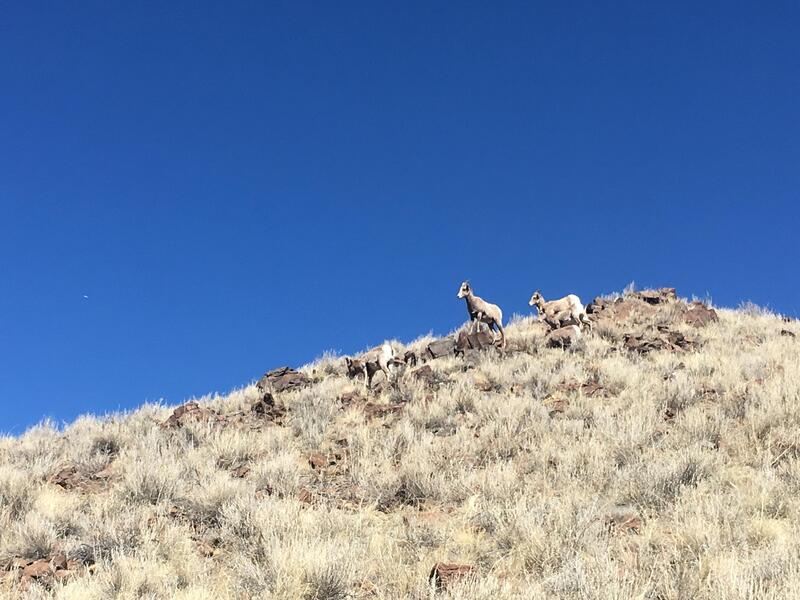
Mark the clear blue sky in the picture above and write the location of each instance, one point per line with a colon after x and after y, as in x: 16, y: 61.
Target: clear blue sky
x: 238, y: 186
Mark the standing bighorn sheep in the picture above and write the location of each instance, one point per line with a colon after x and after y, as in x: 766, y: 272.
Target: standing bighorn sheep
x: 378, y: 359
x: 558, y: 313
x: 481, y: 311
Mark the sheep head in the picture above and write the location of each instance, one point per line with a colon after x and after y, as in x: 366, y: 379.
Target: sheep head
x: 464, y: 290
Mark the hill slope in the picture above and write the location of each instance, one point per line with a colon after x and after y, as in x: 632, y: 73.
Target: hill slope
x: 655, y: 458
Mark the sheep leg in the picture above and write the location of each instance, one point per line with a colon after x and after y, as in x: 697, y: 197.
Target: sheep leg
x: 502, y: 335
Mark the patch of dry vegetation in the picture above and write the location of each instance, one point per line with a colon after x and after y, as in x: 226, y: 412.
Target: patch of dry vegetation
x: 595, y: 472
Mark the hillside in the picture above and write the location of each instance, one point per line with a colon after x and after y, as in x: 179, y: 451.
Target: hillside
x: 654, y: 458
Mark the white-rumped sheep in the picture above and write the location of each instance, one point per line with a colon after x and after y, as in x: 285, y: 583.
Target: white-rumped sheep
x: 481, y: 311
x: 559, y: 313
x: 377, y: 359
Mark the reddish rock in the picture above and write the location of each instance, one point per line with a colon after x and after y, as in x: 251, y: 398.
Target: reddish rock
x: 267, y: 408
x: 191, y: 411
x: 441, y: 348
x: 624, y: 522
x: 659, y: 296
x: 241, y: 472
x: 377, y: 411
x: 563, y: 337
x: 425, y: 374
x: 443, y: 574
x: 37, y: 569
x: 474, y: 341
x: 556, y: 404
x: 62, y: 575
x: 59, y: 561
x: 305, y: 496
x: 282, y: 380
x: 591, y: 389
x: 699, y: 315
x: 318, y: 461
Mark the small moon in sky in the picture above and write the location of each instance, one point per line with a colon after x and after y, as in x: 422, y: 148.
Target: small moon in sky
x: 85, y: 296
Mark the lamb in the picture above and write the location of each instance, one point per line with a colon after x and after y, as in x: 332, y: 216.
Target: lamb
x: 378, y: 359
x: 481, y: 311
x: 558, y: 313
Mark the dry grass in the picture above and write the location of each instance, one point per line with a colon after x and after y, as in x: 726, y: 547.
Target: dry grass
x: 699, y: 450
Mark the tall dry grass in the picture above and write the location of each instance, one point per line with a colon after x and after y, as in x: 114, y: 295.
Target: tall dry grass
x: 679, y: 480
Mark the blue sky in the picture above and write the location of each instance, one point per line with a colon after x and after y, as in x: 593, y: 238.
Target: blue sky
x: 238, y: 186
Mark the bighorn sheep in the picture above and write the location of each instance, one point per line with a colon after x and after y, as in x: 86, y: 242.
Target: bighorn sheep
x: 481, y: 311
x: 377, y: 359
x: 558, y: 313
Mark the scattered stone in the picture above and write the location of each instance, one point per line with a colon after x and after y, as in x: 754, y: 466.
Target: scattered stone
x: 425, y: 374
x: 622, y: 520
x: 563, y: 337
x: 443, y: 574
x: 62, y: 575
x: 318, y: 461
x: 441, y: 348
x: 474, y: 341
x: 267, y: 408
x: 205, y: 549
x: 591, y: 389
x: 36, y: 569
x: 71, y: 478
x: 699, y: 315
x: 59, y: 561
x: 192, y: 411
x: 241, y: 472
x: 377, y: 411
x: 556, y: 404
x: 482, y: 382
x: 787, y: 333
x: 659, y: 296
x: 282, y: 380
x: 660, y: 339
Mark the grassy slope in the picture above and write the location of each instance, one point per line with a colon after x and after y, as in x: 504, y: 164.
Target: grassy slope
x: 489, y: 479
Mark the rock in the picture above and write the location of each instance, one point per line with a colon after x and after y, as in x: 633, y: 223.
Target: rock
x: 426, y: 375
x: 59, y: 561
x: 482, y: 382
x: 563, y: 337
x: 787, y: 333
x: 622, y: 520
x: 240, y: 472
x: 62, y: 575
x: 37, y: 569
x: 443, y: 574
x: 282, y: 380
x: 267, y: 408
x: 68, y: 478
x: 473, y: 341
x: 597, y: 306
x: 305, y: 496
x: 191, y: 411
x: 556, y: 404
x: 318, y: 461
x: 205, y: 549
x: 659, y: 296
x: 410, y: 358
x: 699, y: 315
x: 441, y: 348
x: 591, y: 389
x: 373, y: 410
